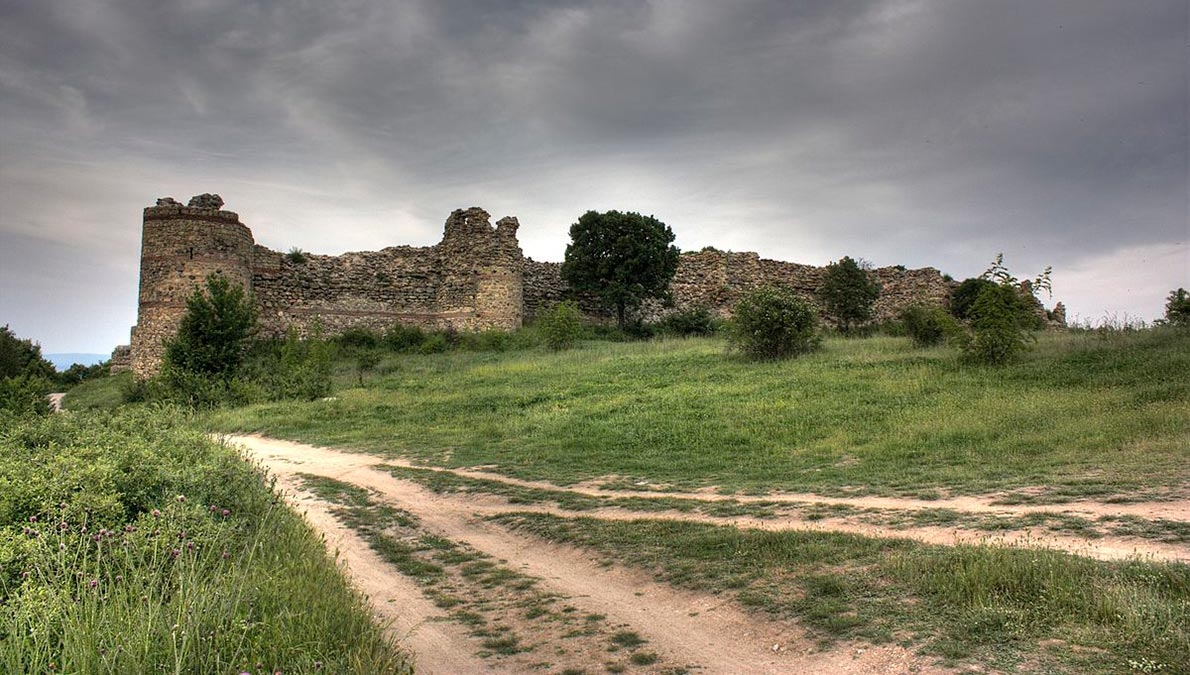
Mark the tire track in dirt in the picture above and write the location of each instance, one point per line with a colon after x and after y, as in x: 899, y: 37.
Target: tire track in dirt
x: 702, y: 630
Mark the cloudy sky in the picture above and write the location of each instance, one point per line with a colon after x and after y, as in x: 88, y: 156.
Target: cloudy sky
x: 916, y: 132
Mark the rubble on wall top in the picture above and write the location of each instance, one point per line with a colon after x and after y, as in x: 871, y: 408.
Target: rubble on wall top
x: 206, y: 201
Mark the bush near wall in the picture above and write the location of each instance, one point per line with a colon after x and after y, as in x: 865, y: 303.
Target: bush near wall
x: 774, y: 323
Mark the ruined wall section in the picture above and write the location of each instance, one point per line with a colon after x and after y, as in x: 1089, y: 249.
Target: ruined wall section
x: 330, y: 294
x: 481, y: 285
x: 469, y: 281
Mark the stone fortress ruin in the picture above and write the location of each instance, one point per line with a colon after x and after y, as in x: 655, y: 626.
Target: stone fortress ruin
x: 476, y: 278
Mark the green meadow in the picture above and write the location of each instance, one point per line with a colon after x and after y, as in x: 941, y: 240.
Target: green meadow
x: 1082, y: 415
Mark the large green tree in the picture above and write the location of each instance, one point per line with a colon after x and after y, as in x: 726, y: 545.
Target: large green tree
x: 214, y: 332
x: 848, y: 293
x: 22, y: 357
x: 623, y: 258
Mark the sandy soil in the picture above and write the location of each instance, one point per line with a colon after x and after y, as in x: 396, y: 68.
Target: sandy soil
x: 701, y: 632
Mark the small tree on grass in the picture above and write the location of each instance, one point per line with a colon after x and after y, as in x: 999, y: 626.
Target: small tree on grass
x: 561, y: 325
x: 1177, y: 308
x: 1001, y: 319
x: 624, y: 258
x: 774, y: 323
x: 848, y: 293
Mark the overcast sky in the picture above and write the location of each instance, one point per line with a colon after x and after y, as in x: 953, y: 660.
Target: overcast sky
x: 924, y: 133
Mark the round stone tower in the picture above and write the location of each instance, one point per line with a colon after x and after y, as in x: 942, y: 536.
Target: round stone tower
x: 180, y: 247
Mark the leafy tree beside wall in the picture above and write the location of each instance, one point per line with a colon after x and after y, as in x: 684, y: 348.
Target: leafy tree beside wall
x: 623, y: 258
x: 213, y: 336
x: 848, y: 293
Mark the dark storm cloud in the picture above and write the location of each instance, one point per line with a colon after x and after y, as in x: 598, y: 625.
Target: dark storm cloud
x: 915, y: 132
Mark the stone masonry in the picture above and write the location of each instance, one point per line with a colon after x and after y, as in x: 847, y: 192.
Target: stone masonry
x: 476, y: 278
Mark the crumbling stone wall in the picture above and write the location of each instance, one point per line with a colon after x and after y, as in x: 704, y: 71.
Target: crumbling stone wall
x: 717, y: 280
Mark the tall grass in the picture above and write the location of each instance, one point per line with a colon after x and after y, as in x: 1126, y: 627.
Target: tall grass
x: 131, y: 543
x: 1083, y: 415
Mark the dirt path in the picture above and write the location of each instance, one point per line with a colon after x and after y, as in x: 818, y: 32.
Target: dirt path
x: 329, y: 461
x: 686, y: 629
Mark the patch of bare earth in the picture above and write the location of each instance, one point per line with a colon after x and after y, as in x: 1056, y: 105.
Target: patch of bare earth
x: 587, y: 604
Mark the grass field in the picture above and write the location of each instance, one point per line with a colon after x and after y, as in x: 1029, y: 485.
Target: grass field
x: 1079, y: 415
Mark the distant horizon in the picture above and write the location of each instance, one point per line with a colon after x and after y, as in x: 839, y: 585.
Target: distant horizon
x: 64, y: 360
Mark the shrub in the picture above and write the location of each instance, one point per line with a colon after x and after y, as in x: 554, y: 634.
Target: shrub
x: 292, y: 368
x: 774, y: 323
x: 492, y: 340
x: 24, y: 395
x: 927, y: 325
x: 435, y: 343
x: 358, y: 338
x: 405, y: 339
x: 848, y: 293
x: 77, y: 373
x: 692, y: 322
x: 998, y: 333
x: 296, y: 255
x: 561, y: 325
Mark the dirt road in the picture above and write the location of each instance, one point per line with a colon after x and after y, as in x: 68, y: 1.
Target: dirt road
x: 681, y: 631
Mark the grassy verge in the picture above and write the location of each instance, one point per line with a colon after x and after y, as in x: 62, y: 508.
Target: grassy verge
x: 1083, y: 416
x: 103, y: 393
x: 129, y: 542
x: 999, y: 606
